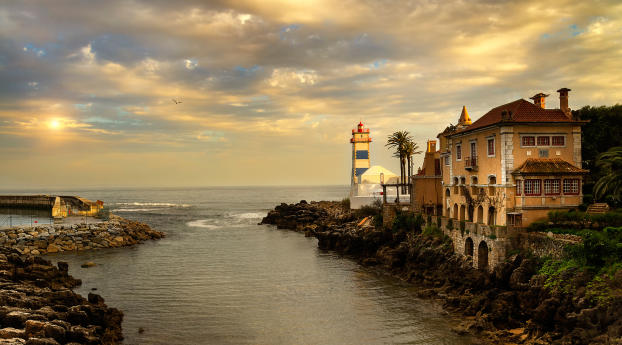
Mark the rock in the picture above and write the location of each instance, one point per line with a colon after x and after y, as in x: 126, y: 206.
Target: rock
x: 42, y: 341
x: 52, y: 248
x: 88, y: 264
x: 12, y: 341
x: 34, y: 328
x: 10, y: 332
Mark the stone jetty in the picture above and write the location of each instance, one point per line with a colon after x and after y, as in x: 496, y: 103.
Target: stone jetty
x: 44, y: 239
x: 507, y: 305
x: 39, y: 308
x: 37, y: 305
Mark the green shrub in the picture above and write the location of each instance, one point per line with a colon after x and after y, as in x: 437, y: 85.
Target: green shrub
x: 103, y: 213
x: 345, y: 203
x: 433, y: 230
x: 450, y: 224
x: 407, y: 221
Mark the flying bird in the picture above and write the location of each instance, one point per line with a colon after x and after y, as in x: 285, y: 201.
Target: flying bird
x: 176, y: 101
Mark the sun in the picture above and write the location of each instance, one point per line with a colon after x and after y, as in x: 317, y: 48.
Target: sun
x: 55, y: 124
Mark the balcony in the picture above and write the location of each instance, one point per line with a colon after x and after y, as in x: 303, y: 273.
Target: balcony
x: 470, y: 163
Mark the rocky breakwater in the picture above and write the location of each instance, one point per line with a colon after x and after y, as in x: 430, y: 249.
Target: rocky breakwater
x: 514, y: 304
x: 43, y: 239
x: 38, y: 307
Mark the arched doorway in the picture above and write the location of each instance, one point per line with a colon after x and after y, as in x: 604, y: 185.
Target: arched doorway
x: 455, y: 215
x: 468, y: 247
x: 462, y: 212
x: 492, y: 215
x: 482, y: 255
x: 480, y: 215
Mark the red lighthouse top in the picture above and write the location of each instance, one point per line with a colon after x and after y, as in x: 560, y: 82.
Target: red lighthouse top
x: 360, y: 127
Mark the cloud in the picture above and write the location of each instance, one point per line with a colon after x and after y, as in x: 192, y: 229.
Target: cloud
x: 275, y: 78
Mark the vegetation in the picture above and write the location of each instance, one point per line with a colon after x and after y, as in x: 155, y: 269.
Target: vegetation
x: 599, y: 135
x: 405, y: 148
x: 573, y: 221
x: 345, y: 203
x: 407, y: 221
x: 609, y: 185
x: 103, y: 213
x: 593, y: 262
x: 374, y: 210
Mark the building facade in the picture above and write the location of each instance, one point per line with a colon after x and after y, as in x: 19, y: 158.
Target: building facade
x: 513, y: 165
x: 427, y: 188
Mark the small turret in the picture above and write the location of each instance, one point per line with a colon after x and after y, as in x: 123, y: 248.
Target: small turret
x: 464, y: 120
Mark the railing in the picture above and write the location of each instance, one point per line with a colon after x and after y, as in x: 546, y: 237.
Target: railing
x: 470, y: 162
x: 405, y: 189
x: 360, y: 140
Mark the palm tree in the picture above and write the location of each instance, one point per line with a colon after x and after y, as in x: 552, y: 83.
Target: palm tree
x: 609, y: 162
x: 410, y: 150
x: 399, y: 141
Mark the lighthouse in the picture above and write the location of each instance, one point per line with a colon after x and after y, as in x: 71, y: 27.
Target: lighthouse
x: 360, y: 152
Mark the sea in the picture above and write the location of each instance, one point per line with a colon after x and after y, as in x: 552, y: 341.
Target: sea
x: 220, y: 278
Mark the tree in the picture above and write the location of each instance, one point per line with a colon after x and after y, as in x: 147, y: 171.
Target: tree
x: 601, y: 133
x: 410, y: 150
x: 610, y: 184
x: 399, y: 141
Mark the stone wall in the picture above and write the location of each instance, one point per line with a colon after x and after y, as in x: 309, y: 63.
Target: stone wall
x: 116, y: 232
x: 544, y: 244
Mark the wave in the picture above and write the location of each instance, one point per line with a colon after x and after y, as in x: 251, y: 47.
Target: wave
x: 134, y: 210
x: 161, y: 204
x: 248, y: 215
x: 202, y: 223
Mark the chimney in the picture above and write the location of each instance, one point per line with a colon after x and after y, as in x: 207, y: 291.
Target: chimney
x: 538, y: 100
x: 563, y: 100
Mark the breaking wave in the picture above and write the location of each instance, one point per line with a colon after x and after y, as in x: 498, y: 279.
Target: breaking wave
x: 203, y: 223
x: 159, y: 204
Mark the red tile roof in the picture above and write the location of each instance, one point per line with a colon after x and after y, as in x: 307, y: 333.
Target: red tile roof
x: 539, y: 166
x: 522, y: 111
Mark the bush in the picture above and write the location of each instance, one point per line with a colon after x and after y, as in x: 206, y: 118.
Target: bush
x: 450, y: 224
x: 103, y: 213
x: 345, y: 203
x: 433, y: 230
x: 372, y: 210
x: 406, y: 221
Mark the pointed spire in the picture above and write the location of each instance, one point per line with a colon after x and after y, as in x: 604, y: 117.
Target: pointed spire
x: 464, y: 117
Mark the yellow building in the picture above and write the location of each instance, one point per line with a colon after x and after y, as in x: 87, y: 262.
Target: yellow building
x: 427, y: 183
x: 514, y: 164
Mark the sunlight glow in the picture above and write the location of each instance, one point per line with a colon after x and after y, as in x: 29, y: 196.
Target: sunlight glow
x: 55, y: 124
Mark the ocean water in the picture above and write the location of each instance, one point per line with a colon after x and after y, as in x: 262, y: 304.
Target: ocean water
x: 219, y: 278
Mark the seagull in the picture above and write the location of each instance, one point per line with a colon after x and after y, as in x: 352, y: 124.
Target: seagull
x: 176, y: 101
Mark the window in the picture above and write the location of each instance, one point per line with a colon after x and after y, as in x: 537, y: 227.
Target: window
x: 571, y: 186
x: 543, y: 141
x: 491, y: 147
x: 473, y: 149
x: 559, y: 140
x: 528, y: 141
x: 447, y: 160
x: 532, y: 187
x: 551, y: 187
x: 543, y: 153
x: 458, y: 152
x: 362, y: 154
x: 519, y: 187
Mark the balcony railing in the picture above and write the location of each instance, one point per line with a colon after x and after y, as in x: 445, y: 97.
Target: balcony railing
x: 360, y: 140
x: 470, y: 162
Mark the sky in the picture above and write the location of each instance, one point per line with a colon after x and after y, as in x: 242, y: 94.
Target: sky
x: 268, y: 91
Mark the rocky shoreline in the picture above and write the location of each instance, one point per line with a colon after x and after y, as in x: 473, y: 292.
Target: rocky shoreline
x: 43, y: 239
x: 510, y: 305
x: 37, y: 304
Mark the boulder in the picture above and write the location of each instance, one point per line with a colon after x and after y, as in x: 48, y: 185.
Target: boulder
x: 10, y: 332
x: 53, y: 248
